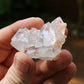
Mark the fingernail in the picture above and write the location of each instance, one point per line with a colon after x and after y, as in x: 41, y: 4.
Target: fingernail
x: 23, y: 67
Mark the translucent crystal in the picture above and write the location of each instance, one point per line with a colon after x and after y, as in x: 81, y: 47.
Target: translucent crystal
x: 59, y: 25
x: 48, y: 35
x: 34, y: 35
x: 42, y: 44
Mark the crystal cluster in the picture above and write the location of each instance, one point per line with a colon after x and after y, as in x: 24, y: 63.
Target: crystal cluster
x: 42, y: 44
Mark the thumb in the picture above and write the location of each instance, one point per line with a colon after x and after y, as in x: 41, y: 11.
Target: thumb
x: 21, y: 71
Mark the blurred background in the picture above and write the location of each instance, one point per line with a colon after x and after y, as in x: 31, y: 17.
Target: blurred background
x: 72, y: 12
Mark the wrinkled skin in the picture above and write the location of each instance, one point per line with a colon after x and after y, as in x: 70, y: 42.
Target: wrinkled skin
x: 59, y: 71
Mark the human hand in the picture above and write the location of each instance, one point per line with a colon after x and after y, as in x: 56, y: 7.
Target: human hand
x: 18, y: 68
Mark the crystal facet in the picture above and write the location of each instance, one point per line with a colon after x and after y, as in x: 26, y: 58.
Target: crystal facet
x: 42, y: 44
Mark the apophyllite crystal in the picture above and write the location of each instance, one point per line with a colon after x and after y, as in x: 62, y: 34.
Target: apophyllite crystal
x: 43, y: 44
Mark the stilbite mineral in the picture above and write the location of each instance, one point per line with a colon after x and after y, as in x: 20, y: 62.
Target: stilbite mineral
x: 42, y: 44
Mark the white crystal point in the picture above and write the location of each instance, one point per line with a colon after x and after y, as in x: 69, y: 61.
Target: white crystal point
x: 59, y: 25
x: 20, y: 41
x: 34, y: 35
x: 42, y: 44
x: 48, y: 35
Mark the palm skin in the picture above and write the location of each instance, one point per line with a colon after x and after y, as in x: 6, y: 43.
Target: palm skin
x: 45, y: 70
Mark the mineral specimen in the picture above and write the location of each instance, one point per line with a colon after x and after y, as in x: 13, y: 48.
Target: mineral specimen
x: 42, y: 44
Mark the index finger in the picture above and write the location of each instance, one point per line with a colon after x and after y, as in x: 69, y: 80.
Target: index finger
x: 7, y: 33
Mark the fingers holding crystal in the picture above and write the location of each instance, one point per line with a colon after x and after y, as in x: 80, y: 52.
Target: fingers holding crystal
x: 64, y: 75
x: 47, y: 69
x: 41, y: 44
x: 64, y: 59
